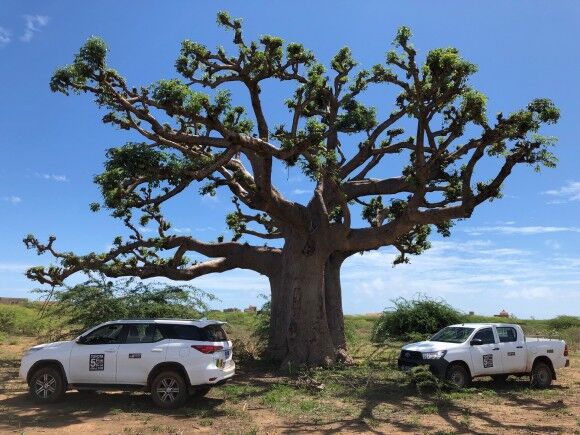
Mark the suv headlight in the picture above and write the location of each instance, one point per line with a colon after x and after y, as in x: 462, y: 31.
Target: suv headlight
x: 434, y: 355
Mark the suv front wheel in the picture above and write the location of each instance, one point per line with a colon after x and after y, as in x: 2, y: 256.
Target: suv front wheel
x: 47, y: 385
x: 168, y: 390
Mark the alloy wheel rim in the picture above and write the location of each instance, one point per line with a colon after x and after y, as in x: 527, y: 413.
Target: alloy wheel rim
x: 457, y: 378
x: 45, y: 386
x: 168, y: 390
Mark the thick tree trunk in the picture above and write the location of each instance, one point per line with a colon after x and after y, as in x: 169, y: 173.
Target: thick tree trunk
x: 333, y: 298
x: 299, y: 328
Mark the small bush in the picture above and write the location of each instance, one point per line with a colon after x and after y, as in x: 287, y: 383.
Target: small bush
x: 7, y: 321
x: 99, y: 300
x: 412, y: 319
x: 425, y: 381
x: 564, y: 322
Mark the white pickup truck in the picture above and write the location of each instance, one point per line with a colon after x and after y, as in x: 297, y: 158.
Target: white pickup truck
x: 459, y: 353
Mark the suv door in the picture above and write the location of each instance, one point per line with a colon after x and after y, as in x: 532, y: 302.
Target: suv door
x: 513, y: 354
x: 93, y: 358
x: 485, y: 357
x: 143, y: 348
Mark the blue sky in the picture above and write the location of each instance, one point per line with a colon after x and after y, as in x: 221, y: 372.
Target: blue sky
x: 519, y: 253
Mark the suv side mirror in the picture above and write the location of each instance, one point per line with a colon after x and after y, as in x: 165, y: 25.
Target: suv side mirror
x: 81, y: 340
x: 476, y: 342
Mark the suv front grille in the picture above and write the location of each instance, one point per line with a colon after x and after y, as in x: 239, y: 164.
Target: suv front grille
x: 410, y: 355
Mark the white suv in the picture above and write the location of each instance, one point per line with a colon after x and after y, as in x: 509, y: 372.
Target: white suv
x: 169, y: 358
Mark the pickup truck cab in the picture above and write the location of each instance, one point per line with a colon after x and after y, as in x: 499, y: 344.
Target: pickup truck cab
x: 169, y: 358
x: 459, y: 353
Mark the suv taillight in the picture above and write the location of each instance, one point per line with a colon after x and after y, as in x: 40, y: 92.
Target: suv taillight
x: 565, y: 350
x: 207, y: 348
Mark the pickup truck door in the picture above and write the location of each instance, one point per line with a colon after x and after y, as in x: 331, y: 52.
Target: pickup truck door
x: 512, y: 348
x: 93, y: 359
x: 144, y: 347
x: 485, y: 357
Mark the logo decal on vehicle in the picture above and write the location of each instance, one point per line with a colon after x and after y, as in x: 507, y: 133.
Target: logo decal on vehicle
x: 134, y: 355
x: 487, y: 361
x: 96, y: 362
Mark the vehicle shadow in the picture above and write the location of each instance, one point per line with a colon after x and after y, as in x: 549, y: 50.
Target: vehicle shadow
x: 20, y: 411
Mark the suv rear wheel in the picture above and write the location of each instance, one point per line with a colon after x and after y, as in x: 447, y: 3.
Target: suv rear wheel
x: 541, y: 375
x: 168, y: 390
x: 47, y: 385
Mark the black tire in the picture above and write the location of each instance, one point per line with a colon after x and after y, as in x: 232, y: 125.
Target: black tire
x: 499, y: 379
x: 458, y: 375
x: 541, y: 375
x: 47, y: 385
x: 200, y: 391
x: 168, y: 390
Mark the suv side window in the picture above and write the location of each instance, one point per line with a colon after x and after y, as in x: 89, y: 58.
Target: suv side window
x: 485, y: 335
x: 191, y: 332
x: 507, y: 334
x: 108, y: 334
x: 142, y: 333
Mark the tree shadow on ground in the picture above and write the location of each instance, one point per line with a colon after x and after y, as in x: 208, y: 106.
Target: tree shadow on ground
x: 21, y: 411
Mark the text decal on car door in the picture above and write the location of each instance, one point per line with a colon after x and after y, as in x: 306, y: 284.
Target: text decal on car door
x: 134, y: 355
x: 487, y: 361
x: 96, y: 362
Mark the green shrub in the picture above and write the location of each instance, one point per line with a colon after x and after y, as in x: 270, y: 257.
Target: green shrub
x: 415, y: 318
x: 98, y: 300
x: 7, y: 321
x: 564, y: 322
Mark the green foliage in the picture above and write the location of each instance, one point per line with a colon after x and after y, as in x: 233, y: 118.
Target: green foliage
x: 564, y: 322
x: 98, y: 300
x: 421, y: 315
x: 7, y: 321
x: 425, y: 381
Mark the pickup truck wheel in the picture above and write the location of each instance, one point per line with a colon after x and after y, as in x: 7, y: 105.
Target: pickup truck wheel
x: 47, y: 385
x: 458, y: 375
x: 499, y: 379
x: 200, y: 391
x: 168, y: 390
x: 541, y: 375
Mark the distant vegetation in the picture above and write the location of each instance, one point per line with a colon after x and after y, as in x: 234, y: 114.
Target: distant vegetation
x: 407, y: 320
x: 414, y: 319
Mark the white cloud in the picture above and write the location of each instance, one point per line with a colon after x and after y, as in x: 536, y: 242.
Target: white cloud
x: 14, y: 267
x: 552, y: 244
x: 4, y: 37
x: 12, y: 199
x: 569, y: 192
x: 52, y: 177
x: 527, y: 230
x: 300, y: 191
x: 33, y: 25
x: 473, y: 275
x: 530, y: 293
x: 181, y: 230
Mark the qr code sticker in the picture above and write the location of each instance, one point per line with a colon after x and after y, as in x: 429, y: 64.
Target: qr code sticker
x: 96, y: 362
x: 487, y: 361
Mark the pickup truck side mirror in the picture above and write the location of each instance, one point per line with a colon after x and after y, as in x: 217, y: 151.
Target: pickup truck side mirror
x: 476, y: 342
x: 81, y: 340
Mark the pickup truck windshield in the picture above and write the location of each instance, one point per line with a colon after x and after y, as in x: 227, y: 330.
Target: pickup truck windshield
x: 452, y: 334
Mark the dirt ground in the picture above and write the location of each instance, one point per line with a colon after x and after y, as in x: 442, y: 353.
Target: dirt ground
x: 258, y: 402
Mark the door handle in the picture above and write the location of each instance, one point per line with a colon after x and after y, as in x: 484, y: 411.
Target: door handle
x: 156, y: 350
x: 519, y: 347
x: 495, y: 348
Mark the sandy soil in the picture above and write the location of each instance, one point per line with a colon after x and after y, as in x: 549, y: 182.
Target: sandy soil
x: 512, y: 409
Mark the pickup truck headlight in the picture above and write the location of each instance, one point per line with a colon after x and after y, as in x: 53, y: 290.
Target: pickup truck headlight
x: 434, y: 355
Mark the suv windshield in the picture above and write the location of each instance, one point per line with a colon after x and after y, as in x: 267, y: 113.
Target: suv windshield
x: 453, y: 334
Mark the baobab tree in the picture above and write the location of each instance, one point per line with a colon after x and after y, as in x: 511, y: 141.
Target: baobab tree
x: 195, y: 137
